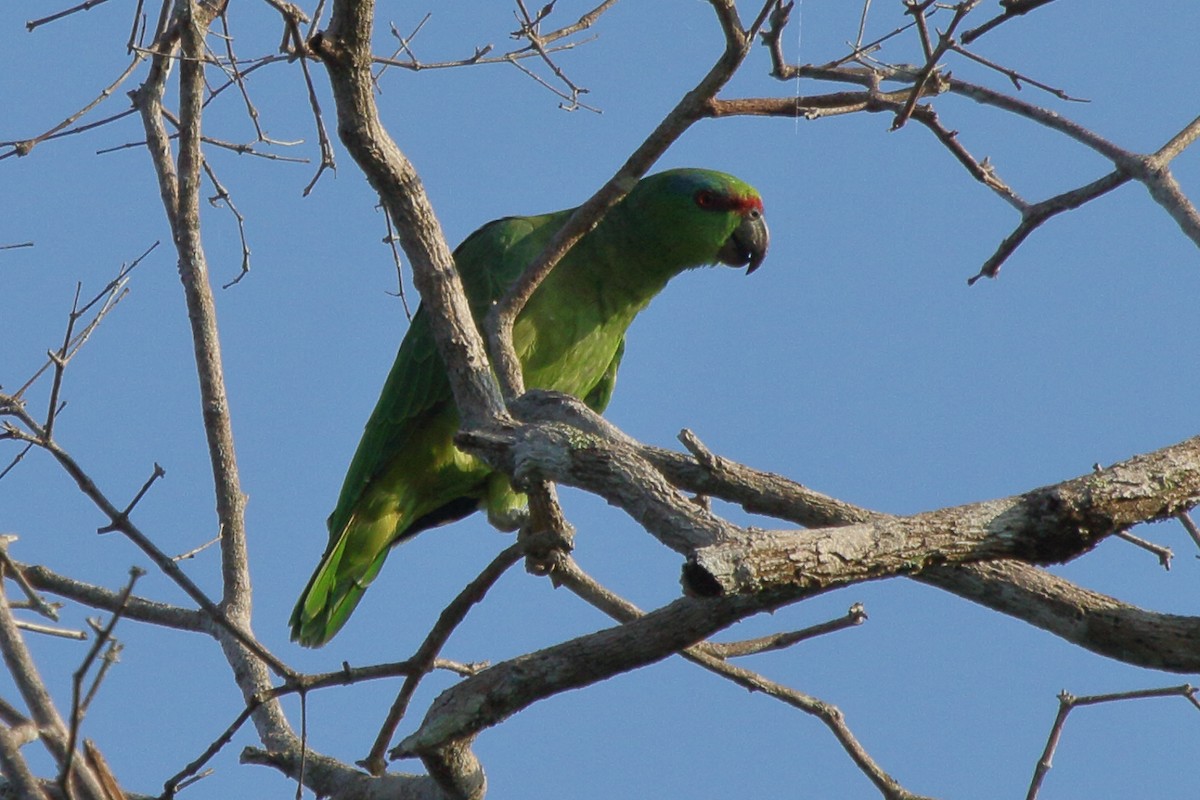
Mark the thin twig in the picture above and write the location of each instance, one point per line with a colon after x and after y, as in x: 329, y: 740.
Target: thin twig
x: 1164, y: 553
x: 47, y: 630
x: 424, y: 658
x: 1186, y: 520
x: 326, y: 147
x: 24, y: 672
x: 706, y: 655
x: 59, y: 360
x: 1016, y: 77
x: 405, y: 46
x: 1033, y: 216
x: 10, y: 570
x: 1012, y: 9
x: 123, y: 516
x: 196, y: 550
x: 111, y: 294
x: 932, y: 56
x: 78, y: 702
x: 16, y: 459
x: 855, y: 616
x: 392, y: 241
x: 302, y: 684
x: 222, y: 196
x: 1068, y: 701
x: 87, y: 5
x: 529, y: 32
x: 138, y: 24
x: 24, y: 147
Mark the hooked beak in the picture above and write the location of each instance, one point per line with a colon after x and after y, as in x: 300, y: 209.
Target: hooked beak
x: 747, y: 245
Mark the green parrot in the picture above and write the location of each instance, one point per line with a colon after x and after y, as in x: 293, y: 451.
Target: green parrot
x: 407, y: 475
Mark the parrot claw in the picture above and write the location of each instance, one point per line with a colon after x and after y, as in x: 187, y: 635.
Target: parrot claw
x: 509, y: 519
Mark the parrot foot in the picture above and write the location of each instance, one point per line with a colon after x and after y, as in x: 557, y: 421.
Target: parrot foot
x: 508, y: 519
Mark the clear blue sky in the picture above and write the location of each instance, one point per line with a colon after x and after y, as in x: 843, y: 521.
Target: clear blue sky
x: 856, y: 361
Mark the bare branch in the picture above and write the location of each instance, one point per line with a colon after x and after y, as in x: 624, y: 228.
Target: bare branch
x: 25, y: 146
x: 857, y: 615
x: 135, y: 608
x: 11, y: 570
x: 1164, y: 553
x: 46, y: 630
x: 1096, y: 622
x: 1012, y: 9
x: 79, y: 703
x: 120, y: 522
x: 1015, y: 77
x: 1045, y: 525
x: 24, y: 672
x: 1186, y: 520
x: 87, y: 5
x: 1067, y: 702
x: 1033, y: 216
x: 15, y: 768
x: 423, y: 660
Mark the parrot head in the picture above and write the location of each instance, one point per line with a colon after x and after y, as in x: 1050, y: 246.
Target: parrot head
x: 709, y: 217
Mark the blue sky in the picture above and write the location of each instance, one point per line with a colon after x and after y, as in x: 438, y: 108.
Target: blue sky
x: 856, y: 361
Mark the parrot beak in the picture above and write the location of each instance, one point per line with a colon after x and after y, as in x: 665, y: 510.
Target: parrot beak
x: 747, y: 245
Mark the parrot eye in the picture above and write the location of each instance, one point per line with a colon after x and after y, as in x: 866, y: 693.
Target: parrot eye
x: 705, y: 199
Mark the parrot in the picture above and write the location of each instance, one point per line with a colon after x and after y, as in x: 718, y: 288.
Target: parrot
x: 407, y: 475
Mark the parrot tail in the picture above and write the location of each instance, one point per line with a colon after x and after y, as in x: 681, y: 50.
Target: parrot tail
x: 347, y: 569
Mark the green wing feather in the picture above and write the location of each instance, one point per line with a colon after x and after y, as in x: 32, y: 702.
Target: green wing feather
x: 597, y: 399
x: 406, y: 469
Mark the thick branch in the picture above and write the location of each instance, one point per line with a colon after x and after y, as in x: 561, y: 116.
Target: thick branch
x: 50, y: 725
x: 179, y: 186
x: 1046, y: 525
x: 499, y: 692
x: 345, y: 50
x: 328, y: 777
x: 1089, y: 619
x: 202, y: 313
x: 1085, y: 618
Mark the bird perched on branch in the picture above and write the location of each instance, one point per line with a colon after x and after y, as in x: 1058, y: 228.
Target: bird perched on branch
x: 407, y: 475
